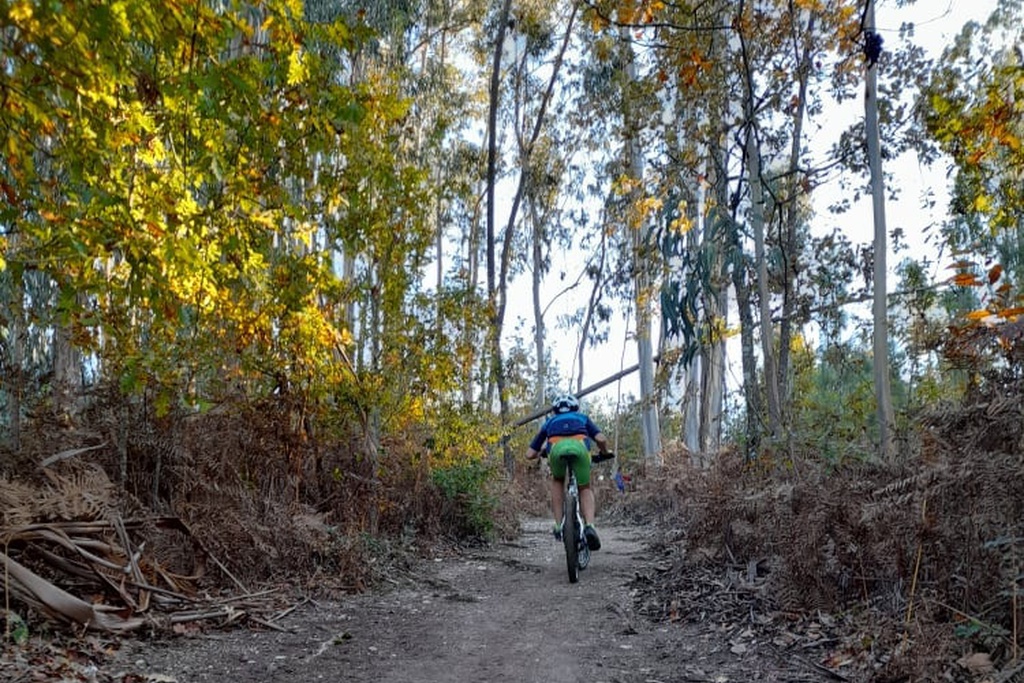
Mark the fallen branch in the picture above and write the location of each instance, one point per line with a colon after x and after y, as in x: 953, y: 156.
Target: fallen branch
x: 283, y: 613
x: 228, y: 613
x: 70, y: 453
x: 60, y: 604
x: 269, y: 624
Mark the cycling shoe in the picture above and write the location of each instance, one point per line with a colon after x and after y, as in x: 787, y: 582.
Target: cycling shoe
x: 590, y: 533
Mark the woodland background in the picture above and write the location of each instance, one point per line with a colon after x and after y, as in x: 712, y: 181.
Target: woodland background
x: 256, y: 260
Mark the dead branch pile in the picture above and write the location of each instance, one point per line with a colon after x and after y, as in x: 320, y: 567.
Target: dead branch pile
x: 933, y: 549
x: 70, y: 555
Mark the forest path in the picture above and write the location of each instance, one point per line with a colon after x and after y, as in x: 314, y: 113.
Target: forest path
x: 506, y: 612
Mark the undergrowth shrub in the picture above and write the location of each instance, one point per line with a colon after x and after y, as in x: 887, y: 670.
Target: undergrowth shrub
x: 470, y: 504
x: 834, y: 409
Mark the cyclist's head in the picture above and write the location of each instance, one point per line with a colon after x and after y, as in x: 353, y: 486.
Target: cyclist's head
x: 565, y: 403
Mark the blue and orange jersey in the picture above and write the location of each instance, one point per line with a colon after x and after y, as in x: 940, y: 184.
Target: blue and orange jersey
x: 565, y: 425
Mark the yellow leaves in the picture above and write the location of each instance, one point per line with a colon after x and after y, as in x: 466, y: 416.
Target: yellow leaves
x: 336, y: 203
x: 647, y: 206
x: 681, y: 225
x: 624, y: 185
x: 982, y: 203
x: 345, y: 338
x: 717, y: 330
x: 267, y: 218
x: 638, y: 11
x: 693, y: 66
x: 153, y: 154
x: 119, y: 11
x: 20, y: 11
x: 598, y: 22
x: 295, y: 8
x: 298, y: 70
x: 303, y: 233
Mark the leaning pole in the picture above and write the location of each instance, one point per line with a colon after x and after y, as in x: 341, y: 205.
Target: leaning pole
x: 583, y: 392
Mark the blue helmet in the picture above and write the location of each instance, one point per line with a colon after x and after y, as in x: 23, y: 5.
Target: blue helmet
x: 567, y: 403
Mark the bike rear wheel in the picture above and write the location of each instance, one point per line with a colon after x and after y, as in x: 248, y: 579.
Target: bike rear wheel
x: 570, y: 533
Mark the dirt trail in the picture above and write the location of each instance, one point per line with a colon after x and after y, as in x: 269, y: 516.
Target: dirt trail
x: 503, y: 613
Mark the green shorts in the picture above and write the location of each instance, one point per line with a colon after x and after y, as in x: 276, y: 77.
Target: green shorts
x: 576, y: 451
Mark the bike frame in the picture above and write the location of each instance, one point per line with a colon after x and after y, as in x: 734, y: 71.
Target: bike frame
x: 577, y: 552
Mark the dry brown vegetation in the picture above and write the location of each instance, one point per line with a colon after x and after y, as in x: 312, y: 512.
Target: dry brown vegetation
x: 919, y: 564
x: 906, y: 571
x: 124, y: 519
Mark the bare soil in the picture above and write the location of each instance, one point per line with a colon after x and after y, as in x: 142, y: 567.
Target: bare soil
x: 505, y: 612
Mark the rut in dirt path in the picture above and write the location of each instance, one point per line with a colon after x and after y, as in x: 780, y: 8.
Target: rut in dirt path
x: 507, y: 612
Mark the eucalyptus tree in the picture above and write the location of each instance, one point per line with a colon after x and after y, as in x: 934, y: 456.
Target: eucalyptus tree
x: 754, y: 75
x: 695, y: 229
x: 752, y: 156
x: 883, y: 389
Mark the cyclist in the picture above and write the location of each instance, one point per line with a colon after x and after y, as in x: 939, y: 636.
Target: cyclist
x: 569, y: 431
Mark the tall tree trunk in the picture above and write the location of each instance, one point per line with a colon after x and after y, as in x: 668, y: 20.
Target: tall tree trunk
x: 771, y: 377
x: 883, y: 390
x: 744, y: 308
x: 713, y: 351
x: 469, y: 330
x: 753, y: 157
x: 728, y: 224
x: 693, y: 396
x: 16, y: 372
x: 496, y: 309
x: 791, y: 216
x: 538, y: 312
x: 67, y: 371
x: 691, y: 411
x: 641, y: 280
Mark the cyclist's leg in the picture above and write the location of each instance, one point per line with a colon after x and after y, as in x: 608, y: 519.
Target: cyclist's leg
x: 588, y: 506
x: 557, y: 500
x: 557, y: 467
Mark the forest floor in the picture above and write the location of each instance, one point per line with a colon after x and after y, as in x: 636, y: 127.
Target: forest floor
x: 500, y: 612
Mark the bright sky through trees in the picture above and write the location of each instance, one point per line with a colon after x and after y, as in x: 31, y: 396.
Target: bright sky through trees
x: 935, y: 26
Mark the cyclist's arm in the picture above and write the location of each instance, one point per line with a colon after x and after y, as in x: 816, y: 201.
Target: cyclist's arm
x: 538, y: 442
x: 597, y: 435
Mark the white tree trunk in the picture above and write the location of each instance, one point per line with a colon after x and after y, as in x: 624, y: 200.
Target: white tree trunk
x: 641, y: 282
x: 67, y: 371
x: 771, y: 377
x: 883, y: 390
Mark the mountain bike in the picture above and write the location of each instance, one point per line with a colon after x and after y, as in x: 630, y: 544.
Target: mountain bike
x: 577, y: 552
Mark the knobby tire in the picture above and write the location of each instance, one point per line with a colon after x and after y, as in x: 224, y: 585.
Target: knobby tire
x: 569, y: 535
